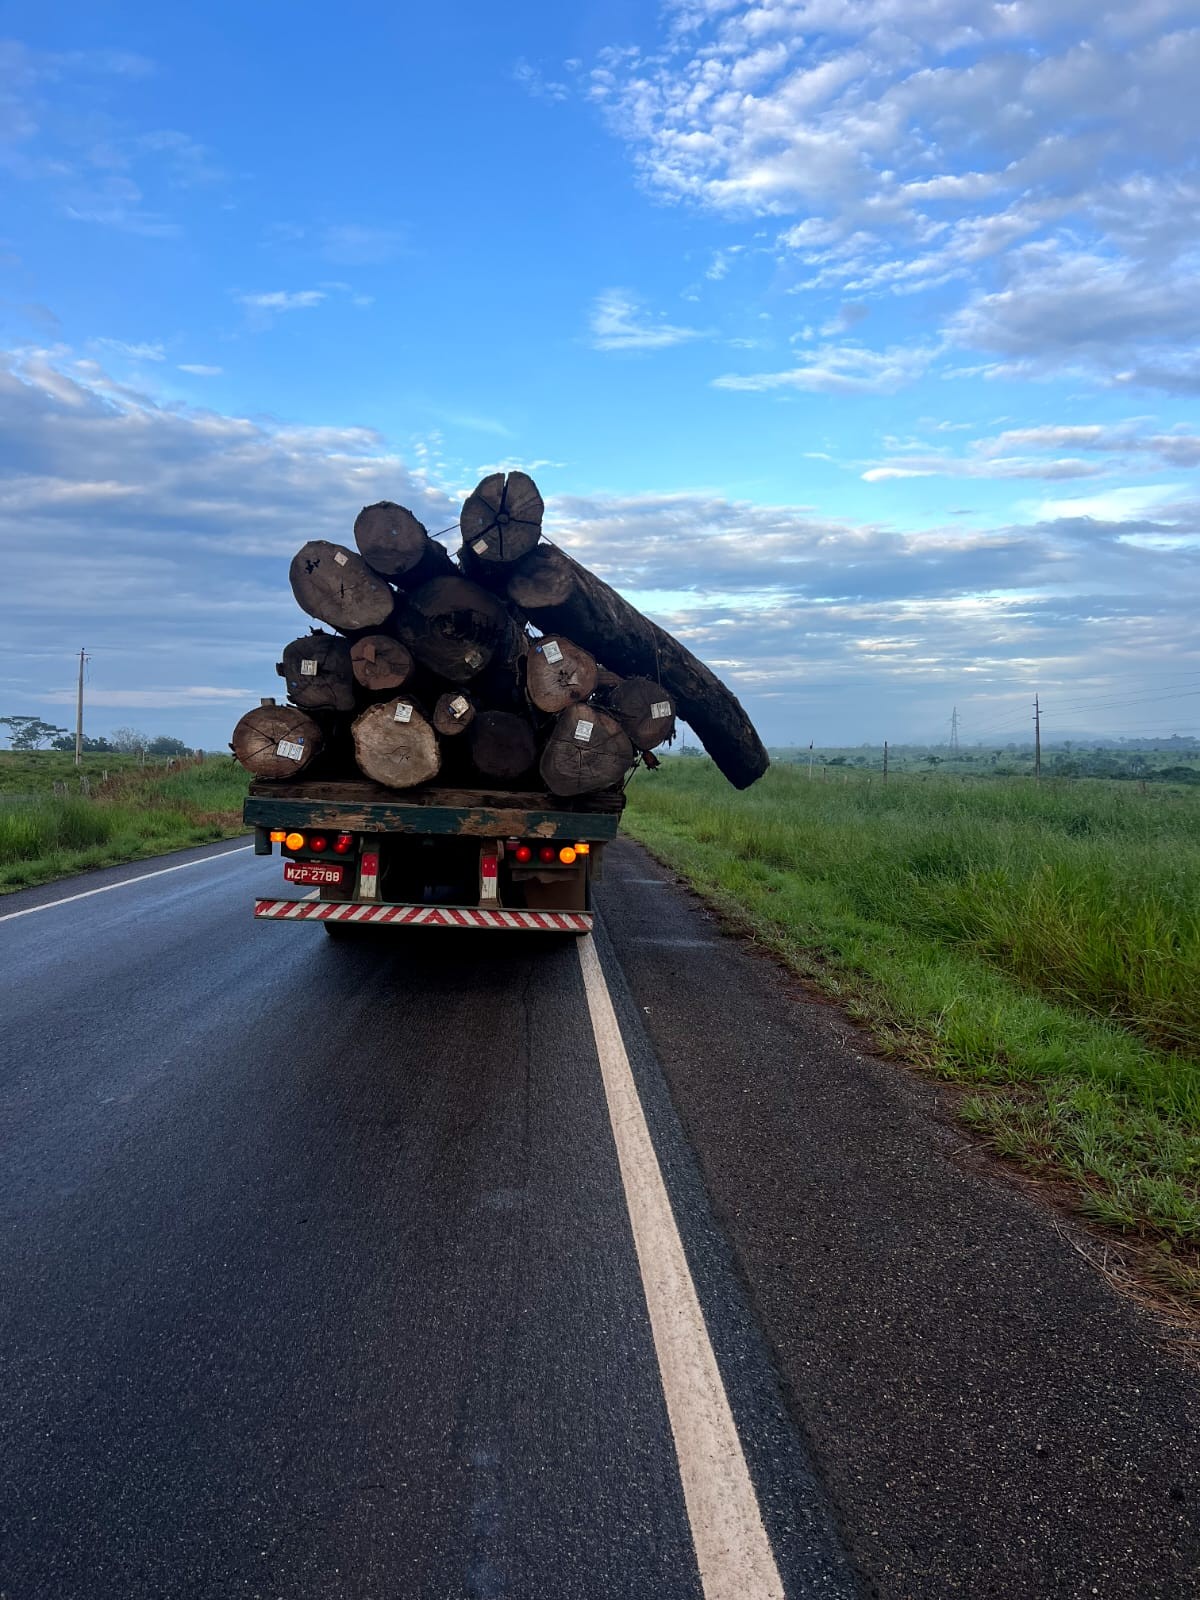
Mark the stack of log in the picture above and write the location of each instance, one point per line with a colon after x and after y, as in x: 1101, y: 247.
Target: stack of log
x: 512, y: 659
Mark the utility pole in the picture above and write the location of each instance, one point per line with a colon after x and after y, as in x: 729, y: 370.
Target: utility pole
x: 810, y: 760
x: 954, y: 733
x: 1037, y: 740
x: 79, y: 714
x: 885, y: 755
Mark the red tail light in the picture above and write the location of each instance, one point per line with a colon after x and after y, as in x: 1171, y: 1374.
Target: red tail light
x: 547, y: 853
x: 523, y: 853
x: 318, y: 841
x: 343, y: 844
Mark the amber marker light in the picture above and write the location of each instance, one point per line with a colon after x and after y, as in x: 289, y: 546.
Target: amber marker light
x: 294, y: 841
x: 566, y: 855
x: 583, y: 849
x: 278, y: 835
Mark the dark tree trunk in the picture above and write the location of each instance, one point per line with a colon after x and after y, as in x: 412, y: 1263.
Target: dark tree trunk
x: 501, y: 521
x: 395, y: 544
x: 275, y: 741
x: 558, y: 673
x: 453, y: 714
x: 380, y: 662
x: 452, y: 626
x: 557, y: 593
x: 587, y: 750
x: 501, y: 684
x: 395, y: 744
x: 318, y: 673
x: 337, y: 586
x: 502, y: 745
x: 644, y: 709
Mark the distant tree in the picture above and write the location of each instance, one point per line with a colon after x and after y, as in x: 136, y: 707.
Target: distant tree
x: 129, y: 740
x: 164, y: 746
x: 933, y: 761
x: 29, y: 733
x: 95, y: 746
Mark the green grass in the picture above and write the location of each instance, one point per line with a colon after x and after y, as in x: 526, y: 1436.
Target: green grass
x: 137, y: 812
x: 1040, y: 945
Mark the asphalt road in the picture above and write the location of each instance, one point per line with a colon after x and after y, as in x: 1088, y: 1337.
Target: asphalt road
x: 318, y: 1278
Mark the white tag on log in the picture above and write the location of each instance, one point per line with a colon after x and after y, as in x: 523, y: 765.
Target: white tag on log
x: 403, y: 714
x: 583, y: 731
x: 661, y: 708
x: 290, y: 751
x: 479, y: 546
x: 340, y: 557
x: 552, y: 652
x: 473, y: 659
x: 459, y: 706
x: 308, y: 669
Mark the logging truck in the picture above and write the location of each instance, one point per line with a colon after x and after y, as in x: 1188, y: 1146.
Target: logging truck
x: 357, y: 854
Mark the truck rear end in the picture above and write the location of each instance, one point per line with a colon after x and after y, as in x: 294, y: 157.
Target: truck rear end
x: 356, y: 854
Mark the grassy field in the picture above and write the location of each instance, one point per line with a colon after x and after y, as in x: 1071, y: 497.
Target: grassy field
x: 135, y: 811
x: 1039, y: 945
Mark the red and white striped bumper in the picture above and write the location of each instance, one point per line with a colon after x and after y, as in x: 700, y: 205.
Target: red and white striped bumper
x: 424, y: 916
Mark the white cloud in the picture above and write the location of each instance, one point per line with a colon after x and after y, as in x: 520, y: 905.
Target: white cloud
x: 133, y: 352
x: 199, y: 370
x: 619, y: 321
x: 535, y: 83
x: 282, y: 299
x: 839, y: 369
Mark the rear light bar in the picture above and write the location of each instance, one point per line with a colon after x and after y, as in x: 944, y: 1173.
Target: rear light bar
x: 342, y: 844
x: 548, y: 855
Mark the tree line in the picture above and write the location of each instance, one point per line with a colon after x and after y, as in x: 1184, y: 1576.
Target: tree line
x: 34, y: 733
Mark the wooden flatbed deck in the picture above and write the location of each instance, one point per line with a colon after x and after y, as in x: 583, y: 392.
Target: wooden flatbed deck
x: 361, y: 807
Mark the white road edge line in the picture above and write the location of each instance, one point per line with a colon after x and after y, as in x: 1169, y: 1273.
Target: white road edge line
x: 159, y: 872
x: 732, y: 1548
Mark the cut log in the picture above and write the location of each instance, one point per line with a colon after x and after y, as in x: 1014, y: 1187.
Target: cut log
x: 587, y: 750
x: 396, y: 745
x: 502, y: 745
x: 644, y: 709
x: 453, y: 714
x: 501, y: 684
x: 452, y: 626
x: 338, y: 586
x: 395, y: 544
x: 380, y: 662
x: 558, y: 673
x: 557, y: 593
x: 275, y: 741
x: 318, y: 673
x: 501, y: 521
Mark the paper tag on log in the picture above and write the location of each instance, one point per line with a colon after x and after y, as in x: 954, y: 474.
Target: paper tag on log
x: 473, y: 659
x: 308, y: 669
x: 403, y: 714
x: 479, y: 546
x: 661, y: 708
x: 290, y: 751
x: 583, y: 731
x: 340, y: 557
x: 459, y: 706
x: 552, y: 652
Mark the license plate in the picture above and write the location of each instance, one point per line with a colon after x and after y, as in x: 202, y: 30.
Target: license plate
x: 313, y: 872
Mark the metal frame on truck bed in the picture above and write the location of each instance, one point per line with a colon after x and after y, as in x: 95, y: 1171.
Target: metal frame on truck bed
x: 432, y: 858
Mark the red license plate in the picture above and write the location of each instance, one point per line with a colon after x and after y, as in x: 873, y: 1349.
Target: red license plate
x: 313, y: 872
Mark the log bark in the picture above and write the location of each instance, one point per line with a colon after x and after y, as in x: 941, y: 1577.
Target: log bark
x: 501, y: 521
x: 644, y: 709
x: 452, y: 626
x: 380, y: 662
x: 502, y: 745
x: 587, y: 750
x: 453, y: 714
x: 395, y: 744
x: 318, y: 672
x: 559, y: 673
x: 275, y: 741
x: 336, y: 585
x: 556, y: 593
x: 394, y: 543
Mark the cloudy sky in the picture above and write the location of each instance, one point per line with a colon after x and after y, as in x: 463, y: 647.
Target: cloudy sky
x: 856, y: 339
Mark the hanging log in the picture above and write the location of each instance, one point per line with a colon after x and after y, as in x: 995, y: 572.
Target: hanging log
x: 501, y: 521
x: 644, y: 709
x: 587, y: 750
x: 337, y: 586
x: 395, y: 744
x: 318, y: 673
x: 453, y: 714
x: 275, y: 741
x: 380, y: 662
x: 558, y: 673
x: 502, y: 745
x: 394, y: 543
x: 452, y: 626
x: 557, y: 593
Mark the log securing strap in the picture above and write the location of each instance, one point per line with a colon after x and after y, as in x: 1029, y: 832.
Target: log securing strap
x: 358, y: 911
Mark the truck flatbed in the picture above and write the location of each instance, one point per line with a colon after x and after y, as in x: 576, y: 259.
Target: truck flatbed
x: 485, y: 814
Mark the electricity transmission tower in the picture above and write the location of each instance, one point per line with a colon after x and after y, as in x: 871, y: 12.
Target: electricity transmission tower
x: 954, y: 733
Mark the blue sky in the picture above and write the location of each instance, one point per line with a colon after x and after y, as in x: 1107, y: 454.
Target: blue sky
x: 855, y: 339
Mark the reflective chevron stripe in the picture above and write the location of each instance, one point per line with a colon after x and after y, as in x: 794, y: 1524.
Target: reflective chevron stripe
x: 424, y: 916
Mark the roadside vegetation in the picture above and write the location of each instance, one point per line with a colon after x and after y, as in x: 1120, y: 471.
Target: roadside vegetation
x: 56, y: 818
x: 1037, y: 944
